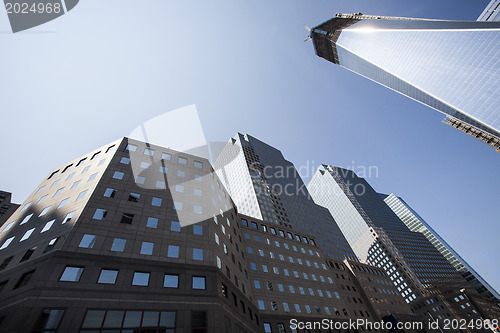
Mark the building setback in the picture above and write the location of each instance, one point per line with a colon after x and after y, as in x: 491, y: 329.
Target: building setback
x: 450, y: 66
x: 417, y: 224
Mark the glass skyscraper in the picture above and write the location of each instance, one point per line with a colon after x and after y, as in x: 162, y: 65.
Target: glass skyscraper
x: 264, y: 185
x: 379, y: 237
x: 451, y: 66
x: 417, y: 224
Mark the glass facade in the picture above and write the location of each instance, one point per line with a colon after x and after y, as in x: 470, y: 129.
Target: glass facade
x: 451, y: 66
x: 417, y: 224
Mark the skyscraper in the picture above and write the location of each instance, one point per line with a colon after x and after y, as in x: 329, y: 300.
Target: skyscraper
x: 491, y: 12
x: 264, y: 185
x: 377, y: 235
x: 450, y: 66
x: 417, y: 224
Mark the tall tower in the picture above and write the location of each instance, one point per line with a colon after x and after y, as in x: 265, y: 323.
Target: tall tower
x: 264, y: 185
x: 417, y: 224
x: 450, y: 66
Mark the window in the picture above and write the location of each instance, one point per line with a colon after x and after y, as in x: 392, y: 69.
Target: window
x: 163, y: 169
x: 175, y: 226
x: 118, y: 245
x: 63, y: 203
x: 166, y: 156
x: 156, y: 202
x: 149, y: 152
x: 173, y: 251
x: 171, y: 281
x: 254, y: 226
x: 71, y: 274
x: 49, y: 320
x: 58, y: 192
x: 256, y: 284
x: 26, y: 206
x: 199, y: 282
x: 26, y: 255
x: 8, y: 226
x: 127, y: 218
x: 75, y: 184
x: 152, y: 222
x: 44, y: 211
x: 179, y: 188
x: 131, y: 147
x: 198, y: 165
x: 68, y: 217
x: 108, y: 276
x: 197, y: 254
x: 261, y: 305
x: 27, y: 234
x: 51, y: 245
x: 134, y: 197
x: 41, y: 199
x: 118, y: 175
x: 177, y: 205
x: 147, y: 248
x: 267, y: 328
x: 70, y: 176
x: 125, y: 160
x: 85, y: 169
x: 140, y: 279
x: 197, y: 229
x: 198, y: 192
x: 87, y: 241
x: 140, y: 180
x: 182, y: 160
x: 181, y: 174
x: 144, y: 165
x: 39, y: 190
x: 197, y: 209
x: 199, y: 322
x: 26, y: 219
x: 25, y: 278
x: 110, y: 193
x: 81, y: 195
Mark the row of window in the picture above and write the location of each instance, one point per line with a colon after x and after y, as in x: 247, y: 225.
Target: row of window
x: 109, y: 276
x: 285, y: 245
x: 264, y: 228
x: 88, y: 242
x: 79, y: 163
x: 309, y: 309
x: 29, y: 232
x: 164, y: 156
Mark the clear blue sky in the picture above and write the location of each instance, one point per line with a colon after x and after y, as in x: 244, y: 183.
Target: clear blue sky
x: 93, y: 75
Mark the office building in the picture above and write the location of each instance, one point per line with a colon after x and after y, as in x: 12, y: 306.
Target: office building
x: 450, y: 66
x: 291, y: 279
x: 379, y: 238
x: 491, y: 12
x: 417, y: 224
x: 7, y: 207
x: 264, y: 185
x: 130, y: 237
